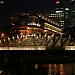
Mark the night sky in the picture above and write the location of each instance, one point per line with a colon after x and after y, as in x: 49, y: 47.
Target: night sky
x: 10, y: 6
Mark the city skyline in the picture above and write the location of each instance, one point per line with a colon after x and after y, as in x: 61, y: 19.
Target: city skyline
x: 36, y: 37
x: 25, y: 6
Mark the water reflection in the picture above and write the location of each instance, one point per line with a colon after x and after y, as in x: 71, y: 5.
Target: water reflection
x: 40, y: 69
x: 60, y: 69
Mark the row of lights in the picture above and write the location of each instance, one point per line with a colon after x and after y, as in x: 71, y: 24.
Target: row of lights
x: 38, y: 39
x: 61, y: 69
x: 34, y: 24
x: 23, y: 48
x: 53, y: 28
x: 49, y: 20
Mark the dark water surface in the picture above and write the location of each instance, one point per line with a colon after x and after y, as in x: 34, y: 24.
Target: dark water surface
x: 38, y: 69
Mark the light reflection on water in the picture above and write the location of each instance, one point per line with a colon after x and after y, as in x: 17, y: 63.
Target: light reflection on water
x: 41, y: 69
x: 60, y: 69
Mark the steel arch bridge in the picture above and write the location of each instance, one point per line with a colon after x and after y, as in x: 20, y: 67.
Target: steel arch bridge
x: 42, y: 35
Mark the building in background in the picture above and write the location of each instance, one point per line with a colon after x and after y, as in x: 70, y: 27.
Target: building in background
x: 72, y: 12
x: 32, y: 30
x: 60, y: 14
x: 62, y: 10
x: 71, y: 28
x: 21, y: 21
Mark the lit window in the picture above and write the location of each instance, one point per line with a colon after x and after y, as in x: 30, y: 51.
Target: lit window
x: 51, y: 14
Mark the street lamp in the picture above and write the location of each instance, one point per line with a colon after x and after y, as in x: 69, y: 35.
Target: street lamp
x: 2, y: 35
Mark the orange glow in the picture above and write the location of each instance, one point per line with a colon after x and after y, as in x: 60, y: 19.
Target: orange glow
x: 57, y: 2
x: 22, y: 26
x: 59, y: 44
x: 16, y: 40
x: 45, y: 30
x: 23, y: 31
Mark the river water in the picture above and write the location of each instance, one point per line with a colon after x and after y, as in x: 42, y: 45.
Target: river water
x: 58, y: 69
x: 39, y: 69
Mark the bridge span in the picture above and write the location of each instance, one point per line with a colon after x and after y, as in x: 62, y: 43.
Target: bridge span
x: 41, y: 35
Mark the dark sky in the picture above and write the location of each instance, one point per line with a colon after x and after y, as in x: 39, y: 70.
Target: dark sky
x: 10, y: 6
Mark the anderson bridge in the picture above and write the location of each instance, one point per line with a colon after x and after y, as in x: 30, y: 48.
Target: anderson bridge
x: 43, y: 35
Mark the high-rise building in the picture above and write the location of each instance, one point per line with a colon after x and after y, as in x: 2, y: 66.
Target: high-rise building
x: 72, y: 12
x: 60, y: 14
x: 62, y: 10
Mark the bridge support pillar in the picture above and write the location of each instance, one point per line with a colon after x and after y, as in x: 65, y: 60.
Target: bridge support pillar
x: 54, y: 37
x: 57, y: 41
x: 61, y: 40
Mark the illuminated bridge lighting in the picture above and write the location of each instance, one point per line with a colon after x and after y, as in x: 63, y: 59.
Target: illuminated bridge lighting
x: 49, y: 20
x: 34, y: 35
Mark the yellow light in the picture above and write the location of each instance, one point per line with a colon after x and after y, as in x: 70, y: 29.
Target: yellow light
x: 21, y: 33
x: 45, y: 30
x: 28, y: 27
x: 53, y: 28
x: 0, y: 41
x: 2, y: 34
x: 57, y: 2
x: 0, y: 72
x: 36, y: 66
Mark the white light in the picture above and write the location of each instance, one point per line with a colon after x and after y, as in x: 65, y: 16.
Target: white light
x: 58, y: 11
x: 33, y: 23
x: 8, y: 38
x: 12, y: 24
x: 28, y: 35
x: 27, y: 14
x: 4, y: 39
x: 37, y: 37
x: 71, y: 0
x: 12, y: 37
x: 51, y: 14
x: 40, y: 15
x: 48, y: 36
x: 36, y: 66
x: 52, y: 35
x: 34, y: 34
x: 21, y: 36
x: 66, y: 8
x: 17, y: 37
x: 19, y: 42
x: 45, y: 35
x: 61, y: 21
x: 38, y: 25
x: 2, y: 2
x: 0, y: 71
x: 28, y: 24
